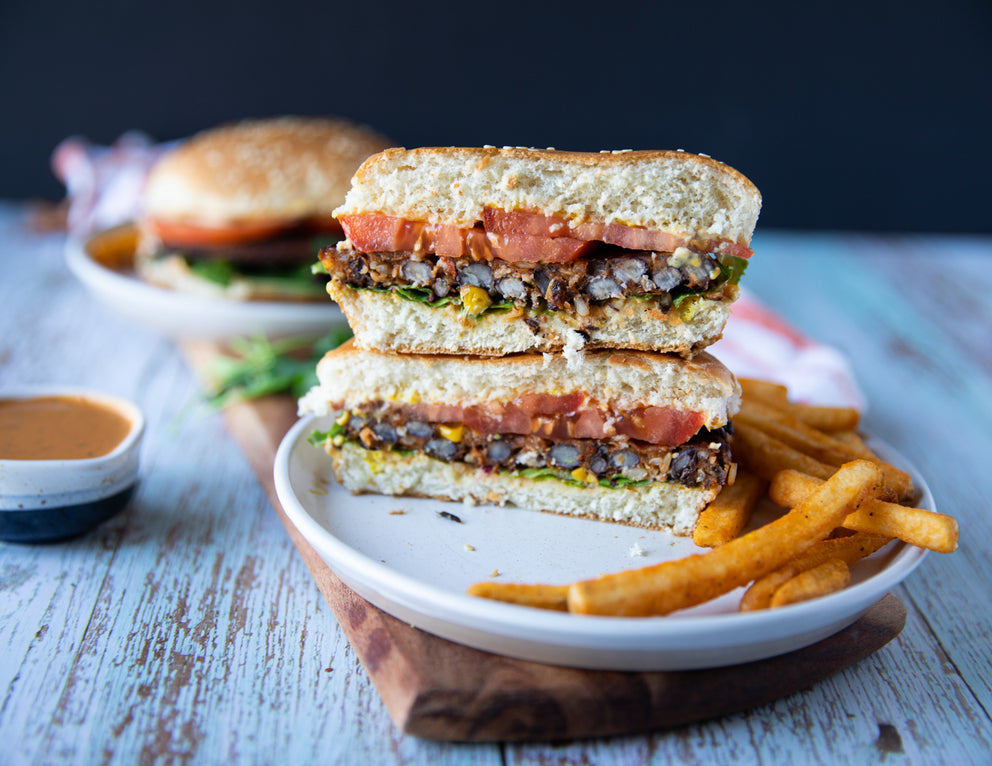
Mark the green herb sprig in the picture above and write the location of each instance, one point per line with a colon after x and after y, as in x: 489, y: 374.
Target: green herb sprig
x: 259, y: 367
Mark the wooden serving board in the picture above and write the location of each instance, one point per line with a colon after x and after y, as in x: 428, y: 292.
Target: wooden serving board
x: 438, y: 689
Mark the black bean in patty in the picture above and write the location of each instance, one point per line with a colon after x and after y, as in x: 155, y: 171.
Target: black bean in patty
x: 606, y: 274
x: 704, y: 461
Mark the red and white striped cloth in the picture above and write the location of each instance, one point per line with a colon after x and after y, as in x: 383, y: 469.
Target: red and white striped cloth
x: 104, y: 185
x: 758, y: 343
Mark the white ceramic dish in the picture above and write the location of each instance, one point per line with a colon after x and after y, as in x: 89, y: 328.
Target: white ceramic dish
x: 417, y: 565
x: 184, y: 316
x: 49, y: 500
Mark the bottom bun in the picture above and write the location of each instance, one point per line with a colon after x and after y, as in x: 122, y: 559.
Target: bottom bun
x: 386, y: 322
x: 660, y: 505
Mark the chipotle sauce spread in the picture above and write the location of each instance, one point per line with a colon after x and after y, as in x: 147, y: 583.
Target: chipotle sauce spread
x: 59, y: 428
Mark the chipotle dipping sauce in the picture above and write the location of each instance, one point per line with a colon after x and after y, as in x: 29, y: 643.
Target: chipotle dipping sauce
x: 59, y: 428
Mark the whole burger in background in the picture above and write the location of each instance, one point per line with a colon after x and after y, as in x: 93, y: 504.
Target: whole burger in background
x: 241, y: 211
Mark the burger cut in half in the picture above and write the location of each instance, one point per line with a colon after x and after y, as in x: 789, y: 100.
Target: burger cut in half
x: 631, y: 436
x: 241, y: 211
x: 494, y: 251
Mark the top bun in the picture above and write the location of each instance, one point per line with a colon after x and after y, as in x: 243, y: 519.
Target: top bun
x: 283, y: 168
x: 689, y: 195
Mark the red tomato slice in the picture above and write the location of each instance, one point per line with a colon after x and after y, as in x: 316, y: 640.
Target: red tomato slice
x: 374, y: 233
x: 181, y: 234
x: 533, y: 237
x: 630, y: 237
x: 515, y: 222
x: 498, y: 420
x: 550, y: 404
x: 505, y: 222
x: 524, y: 247
x: 727, y: 248
x: 380, y: 233
x: 513, y: 236
x: 590, y: 424
x: 660, y: 425
x: 563, y: 417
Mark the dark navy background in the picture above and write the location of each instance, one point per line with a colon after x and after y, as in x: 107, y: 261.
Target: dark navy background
x: 867, y: 115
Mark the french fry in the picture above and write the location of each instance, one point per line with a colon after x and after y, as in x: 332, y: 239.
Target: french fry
x: 829, y: 577
x: 847, y: 549
x: 853, y: 440
x: 754, y: 389
x: 766, y: 456
x: 730, y: 512
x: 795, y: 433
x: 776, y: 395
x: 827, y: 419
x: 539, y: 596
x: 673, y: 585
x: 916, y: 526
x: 818, y: 445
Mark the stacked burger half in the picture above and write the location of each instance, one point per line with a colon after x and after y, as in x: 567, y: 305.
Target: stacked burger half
x: 530, y: 328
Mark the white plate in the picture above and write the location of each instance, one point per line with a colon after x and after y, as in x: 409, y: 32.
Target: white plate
x: 181, y: 315
x: 417, y: 566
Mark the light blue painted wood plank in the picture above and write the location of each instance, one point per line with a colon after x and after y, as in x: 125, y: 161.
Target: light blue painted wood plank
x: 886, y: 709
x: 188, y: 629
x: 928, y: 390
x: 191, y: 626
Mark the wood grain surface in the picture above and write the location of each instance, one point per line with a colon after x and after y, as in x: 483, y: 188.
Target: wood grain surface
x: 189, y: 630
x: 438, y: 689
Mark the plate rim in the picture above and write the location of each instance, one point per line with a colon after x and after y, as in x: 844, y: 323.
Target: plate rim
x: 626, y: 634
x: 122, y: 292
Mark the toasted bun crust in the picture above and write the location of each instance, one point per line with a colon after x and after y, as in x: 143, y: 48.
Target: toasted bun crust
x: 275, y: 169
x: 620, y: 380
x: 686, y: 194
x: 658, y: 505
x: 385, y: 322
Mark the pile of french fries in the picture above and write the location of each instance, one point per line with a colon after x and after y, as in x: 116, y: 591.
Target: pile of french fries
x: 842, y: 503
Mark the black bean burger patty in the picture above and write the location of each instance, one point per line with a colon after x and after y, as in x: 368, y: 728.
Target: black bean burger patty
x: 609, y: 273
x: 704, y: 461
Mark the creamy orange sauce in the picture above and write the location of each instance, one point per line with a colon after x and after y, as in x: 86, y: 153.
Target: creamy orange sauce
x: 59, y: 428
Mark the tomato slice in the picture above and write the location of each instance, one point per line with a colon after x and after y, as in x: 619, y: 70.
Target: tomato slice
x: 516, y: 222
x: 379, y: 233
x: 565, y: 417
x: 590, y: 423
x: 660, y: 425
x: 506, y: 222
x: 498, y: 420
x: 375, y: 233
x: 524, y: 247
x: 630, y: 237
x: 182, y: 234
x: 514, y: 236
x: 550, y: 404
x: 725, y: 247
x: 510, y: 222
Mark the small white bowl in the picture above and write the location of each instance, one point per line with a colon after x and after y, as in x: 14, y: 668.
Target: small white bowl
x: 50, y: 500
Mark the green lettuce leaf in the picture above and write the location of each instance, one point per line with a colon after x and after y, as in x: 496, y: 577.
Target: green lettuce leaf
x: 215, y: 271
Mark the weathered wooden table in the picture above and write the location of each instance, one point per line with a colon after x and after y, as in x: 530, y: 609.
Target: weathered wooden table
x: 189, y: 630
